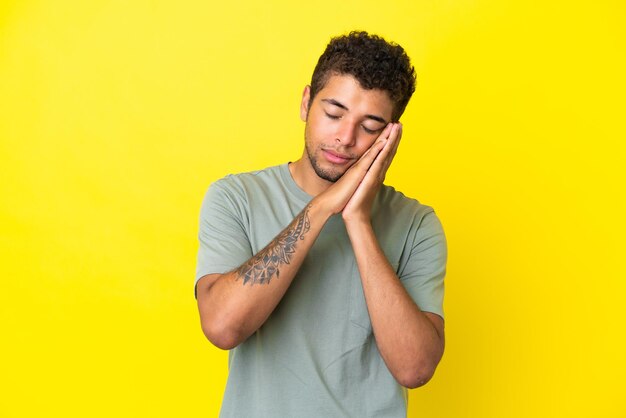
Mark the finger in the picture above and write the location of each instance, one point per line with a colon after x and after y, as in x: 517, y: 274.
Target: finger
x: 398, y: 138
x: 360, y: 168
x: 368, y: 157
x: 383, y: 159
x: 372, y: 167
x: 392, y: 142
x: 379, y: 165
x: 357, y: 172
x: 394, y: 146
x: 386, y: 132
x: 384, y: 135
x: 371, y: 154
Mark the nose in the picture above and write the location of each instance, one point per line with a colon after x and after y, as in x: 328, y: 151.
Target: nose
x: 346, y: 133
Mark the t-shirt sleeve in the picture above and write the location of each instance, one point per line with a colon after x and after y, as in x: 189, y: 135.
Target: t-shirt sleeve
x: 425, y: 269
x: 224, y: 243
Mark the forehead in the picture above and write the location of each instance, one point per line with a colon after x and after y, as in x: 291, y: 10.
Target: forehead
x: 347, y: 90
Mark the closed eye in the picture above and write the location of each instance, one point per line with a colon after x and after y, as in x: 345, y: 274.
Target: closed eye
x: 365, y: 128
x: 371, y: 131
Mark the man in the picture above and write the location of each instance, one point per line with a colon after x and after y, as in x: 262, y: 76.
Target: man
x: 325, y: 284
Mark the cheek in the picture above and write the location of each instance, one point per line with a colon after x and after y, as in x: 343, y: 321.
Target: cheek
x: 318, y: 131
x: 365, y: 142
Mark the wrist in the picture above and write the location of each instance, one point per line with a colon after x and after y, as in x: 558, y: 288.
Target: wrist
x: 356, y: 223
x: 320, y: 208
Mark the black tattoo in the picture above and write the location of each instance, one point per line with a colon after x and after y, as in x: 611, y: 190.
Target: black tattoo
x: 263, y: 266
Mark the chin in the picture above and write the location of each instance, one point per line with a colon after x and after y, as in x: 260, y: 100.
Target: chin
x: 328, y: 175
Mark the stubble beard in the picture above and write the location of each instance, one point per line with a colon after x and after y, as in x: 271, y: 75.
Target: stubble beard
x: 327, y: 175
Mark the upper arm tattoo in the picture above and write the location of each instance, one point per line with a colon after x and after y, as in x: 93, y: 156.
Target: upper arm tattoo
x: 266, y: 263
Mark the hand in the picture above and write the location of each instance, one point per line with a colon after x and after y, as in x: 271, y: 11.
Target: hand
x: 359, y: 207
x: 335, y: 198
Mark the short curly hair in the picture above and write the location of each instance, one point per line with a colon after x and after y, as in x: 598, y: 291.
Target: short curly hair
x: 374, y: 62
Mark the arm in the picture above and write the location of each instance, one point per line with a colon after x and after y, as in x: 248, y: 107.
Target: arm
x: 230, y: 310
x: 411, y: 342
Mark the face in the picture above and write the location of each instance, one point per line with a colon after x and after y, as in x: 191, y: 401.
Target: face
x: 342, y: 122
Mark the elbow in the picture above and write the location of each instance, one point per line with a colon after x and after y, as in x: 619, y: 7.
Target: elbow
x: 420, y: 368
x: 414, y: 377
x: 414, y: 380
x: 217, y: 324
x: 221, y: 336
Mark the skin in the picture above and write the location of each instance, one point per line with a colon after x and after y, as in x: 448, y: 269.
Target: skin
x: 350, y: 143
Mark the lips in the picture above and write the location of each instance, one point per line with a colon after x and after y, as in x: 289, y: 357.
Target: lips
x: 335, y: 157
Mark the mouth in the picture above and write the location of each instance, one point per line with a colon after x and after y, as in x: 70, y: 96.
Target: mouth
x: 336, y: 158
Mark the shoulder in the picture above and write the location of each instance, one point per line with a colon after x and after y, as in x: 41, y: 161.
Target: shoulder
x: 247, y: 183
x: 402, y: 215
x: 397, y: 205
x: 250, y: 178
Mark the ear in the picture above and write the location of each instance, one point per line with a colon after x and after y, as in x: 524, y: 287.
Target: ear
x: 304, y: 106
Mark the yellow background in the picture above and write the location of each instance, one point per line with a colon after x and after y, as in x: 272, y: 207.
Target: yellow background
x: 116, y: 115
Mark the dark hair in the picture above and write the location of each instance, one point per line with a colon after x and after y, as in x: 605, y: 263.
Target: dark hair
x: 374, y: 62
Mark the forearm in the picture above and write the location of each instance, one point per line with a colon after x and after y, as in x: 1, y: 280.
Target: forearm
x: 408, y: 340
x: 234, y: 305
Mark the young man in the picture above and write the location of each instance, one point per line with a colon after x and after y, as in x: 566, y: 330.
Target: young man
x: 325, y: 284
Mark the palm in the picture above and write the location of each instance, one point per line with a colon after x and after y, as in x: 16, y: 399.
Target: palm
x: 359, y: 206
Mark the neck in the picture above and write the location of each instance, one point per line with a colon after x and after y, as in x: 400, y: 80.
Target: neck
x: 305, y: 177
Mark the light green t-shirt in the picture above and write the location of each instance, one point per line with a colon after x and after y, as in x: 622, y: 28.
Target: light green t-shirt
x: 316, y: 355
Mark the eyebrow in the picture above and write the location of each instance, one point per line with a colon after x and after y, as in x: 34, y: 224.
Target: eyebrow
x: 341, y: 105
